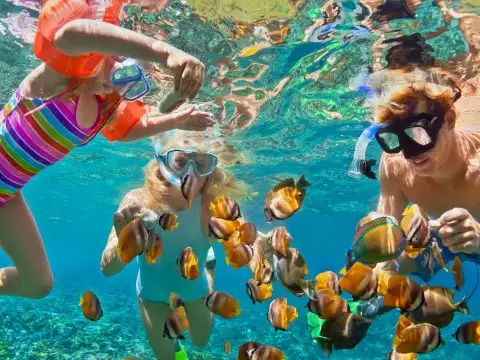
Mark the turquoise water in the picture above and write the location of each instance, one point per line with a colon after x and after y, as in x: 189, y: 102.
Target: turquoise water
x: 294, y: 132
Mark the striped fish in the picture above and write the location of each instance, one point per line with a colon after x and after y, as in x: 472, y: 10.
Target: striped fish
x: 468, y: 333
x: 280, y: 314
x: 225, y: 208
x: 223, y: 304
x: 176, y: 324
x: 187, y: 263
x: 132, y: 241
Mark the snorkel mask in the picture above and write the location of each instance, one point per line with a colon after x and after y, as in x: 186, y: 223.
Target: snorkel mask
x: 184, y: 168
x: 129, y: 79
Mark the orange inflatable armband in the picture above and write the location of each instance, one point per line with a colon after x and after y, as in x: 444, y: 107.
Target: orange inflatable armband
x: 54, y: 15
x: 128, y: 114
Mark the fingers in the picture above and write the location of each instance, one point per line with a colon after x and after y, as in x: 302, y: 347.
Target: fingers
x: 468, y: 247
x: 185, y: 80
x: 457, y: 228
x: 197, y: 81
x: 458, y: 239
x: 455, y: 214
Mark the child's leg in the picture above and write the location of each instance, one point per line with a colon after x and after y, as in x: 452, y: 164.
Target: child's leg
x: 200, y: 319
x: 154, y: 315
x: 19, y: 236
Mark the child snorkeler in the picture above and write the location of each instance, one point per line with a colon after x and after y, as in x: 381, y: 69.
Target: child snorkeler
x: 88, y: 82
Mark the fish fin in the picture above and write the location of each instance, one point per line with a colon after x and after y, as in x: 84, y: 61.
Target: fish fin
x: 80, y: 303
x: 343, y: 271
x: 437, y: 254
x: 302, y: 182
x: 290, y: 182
x: 462, y: 306
x: 325, y: 345
x: 181, y: 337
x: 402, y: 323
x: 227, y: 260
x: 238, y: 312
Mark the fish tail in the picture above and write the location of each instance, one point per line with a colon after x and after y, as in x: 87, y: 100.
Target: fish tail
x: 302, y: 182
x: 227, y: 260
x: 343, y: 270
x: 325, y: 345
x: 462, y: 306
x: 80, y: 303
x: 238, y: 312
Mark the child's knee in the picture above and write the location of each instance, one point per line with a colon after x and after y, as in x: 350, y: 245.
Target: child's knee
x: 41, y: 287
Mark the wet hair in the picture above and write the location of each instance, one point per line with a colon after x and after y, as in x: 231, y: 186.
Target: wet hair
x: 397, y: 92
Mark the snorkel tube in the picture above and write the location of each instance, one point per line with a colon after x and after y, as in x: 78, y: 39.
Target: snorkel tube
x: 360, y: 166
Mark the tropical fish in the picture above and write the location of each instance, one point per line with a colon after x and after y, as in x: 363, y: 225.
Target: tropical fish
x: 343, y: 331
x: 401, y: 292
x: 91, y: 306
x: 327, y: 304
x: 263, y: 272
x: 245, y: 350
x: 247, y: 233
x: 439, y: 307
x: 188, y: 185
x: 227, y: 347
x: 258, y: 292
x: 168, y: 221
x: 291, y: 271
x: 223, y: 304
x: 132, y: 241
x: 285, y: 199
x: 360, y: 281
x: 402, y: 323
x: 265, y: 352
x: 232, y: 241
x: 415, y: 226
x: 187, y: 263
x: 327, y: 280
x: 154, y: 248
x: 280, y: 241
x: 457, y: 269
x: 176, y: 324
x: 222, y: 229
x: 174, y: 301
x: 468, y: 333
x: 378, y: 240
x: 420, y: 338
x: 239, y: 256
x: 225, y: 208
x: 280, y: 314
x: 394, y: 355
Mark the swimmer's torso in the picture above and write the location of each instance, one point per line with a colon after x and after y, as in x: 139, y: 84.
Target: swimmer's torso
x: 156, y: 281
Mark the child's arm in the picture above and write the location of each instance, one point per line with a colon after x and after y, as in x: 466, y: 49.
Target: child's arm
x: 150, y: 125
x: 129, y: 207
x: 85, y: 36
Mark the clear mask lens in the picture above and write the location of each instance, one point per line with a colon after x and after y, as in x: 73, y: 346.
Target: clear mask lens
x: 419, y: 135
x: 390, y: 139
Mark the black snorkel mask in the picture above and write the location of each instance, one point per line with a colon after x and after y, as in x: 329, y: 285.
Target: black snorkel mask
x: 413, y: 135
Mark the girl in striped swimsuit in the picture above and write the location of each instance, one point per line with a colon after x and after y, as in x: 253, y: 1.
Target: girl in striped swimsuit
x: 56, y: 109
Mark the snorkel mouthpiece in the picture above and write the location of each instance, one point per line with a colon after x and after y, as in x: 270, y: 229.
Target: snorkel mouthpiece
x: 360, y: 166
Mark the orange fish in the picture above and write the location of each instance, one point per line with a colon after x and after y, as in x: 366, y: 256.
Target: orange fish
x: 360, y: 281
x: 281, y: 241
x: 401, y: 292
x: 222, y: 229
x: 239, y: 256
x: 187, y: 263
x: 225, y: 208
x: 280, y: 314
x: 154, y: 248
x: 258, y: 292
x: 247, y: 233
x: 223, y: 304
x: 394, y: 355
x: 327, y: 280
x: 457, y: 269
x: 132, y: 241
x: 265, y: 352
x: 415, y: 226
x: 263, y: 272
x: 168, y: 221
x: 420, y: 338
x: 174, y: 301
x: 227, y: 347
x: 246, y: 349
x: 91, y: 307
x: 176, y: 324
x: 468, y: 333
x: 326, y: 304
x: 285, y: 199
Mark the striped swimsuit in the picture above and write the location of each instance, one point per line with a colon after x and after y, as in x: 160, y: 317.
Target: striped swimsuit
x: 32, y: 142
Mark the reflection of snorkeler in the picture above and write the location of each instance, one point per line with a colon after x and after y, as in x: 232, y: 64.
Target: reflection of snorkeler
x: 319, y: 30
x: 178, y: 157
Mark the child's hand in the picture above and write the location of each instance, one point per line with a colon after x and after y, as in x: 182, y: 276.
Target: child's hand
x: 192, y: 120
x: 188, y: 73
x: 124, y: 217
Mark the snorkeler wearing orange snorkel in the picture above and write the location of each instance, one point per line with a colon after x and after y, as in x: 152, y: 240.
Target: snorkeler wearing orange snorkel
x: 89, y: 82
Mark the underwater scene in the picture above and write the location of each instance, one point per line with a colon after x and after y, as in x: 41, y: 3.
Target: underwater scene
x: 286, y: 83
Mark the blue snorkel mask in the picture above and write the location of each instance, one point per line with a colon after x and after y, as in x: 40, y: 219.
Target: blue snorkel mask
x: 129, y: 79
x: 184, y: 168
x: 360, y: 166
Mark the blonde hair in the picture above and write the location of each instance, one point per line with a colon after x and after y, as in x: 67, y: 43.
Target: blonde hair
x: 220, y: 182
x: 397, y: 92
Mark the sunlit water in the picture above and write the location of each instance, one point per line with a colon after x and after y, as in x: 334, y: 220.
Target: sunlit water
x: 309, y: 127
